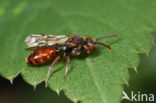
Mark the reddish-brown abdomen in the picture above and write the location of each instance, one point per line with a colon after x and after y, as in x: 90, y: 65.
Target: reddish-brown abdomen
x: 41, y: 56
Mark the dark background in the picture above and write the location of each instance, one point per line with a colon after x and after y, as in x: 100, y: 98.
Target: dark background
x: 144, y: 81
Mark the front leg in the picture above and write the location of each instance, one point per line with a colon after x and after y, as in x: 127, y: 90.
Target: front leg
x: 88, y: 52
x: 92, y: 60
x: 86, y: 49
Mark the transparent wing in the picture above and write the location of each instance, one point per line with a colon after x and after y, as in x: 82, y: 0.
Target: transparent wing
x: 37, y: 40
x: 43, y: 47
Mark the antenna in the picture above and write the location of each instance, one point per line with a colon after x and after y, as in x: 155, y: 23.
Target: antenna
x: 113, y: 35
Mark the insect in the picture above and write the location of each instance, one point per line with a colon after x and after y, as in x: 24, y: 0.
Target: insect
x: 47, y: 47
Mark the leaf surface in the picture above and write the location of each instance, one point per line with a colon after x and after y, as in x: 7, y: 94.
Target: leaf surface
x: 90, y: 82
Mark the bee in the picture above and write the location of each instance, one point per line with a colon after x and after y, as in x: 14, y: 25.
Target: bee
x: 45, y: 48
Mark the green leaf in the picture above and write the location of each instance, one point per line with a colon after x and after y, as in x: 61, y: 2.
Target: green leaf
x: 97, y: 82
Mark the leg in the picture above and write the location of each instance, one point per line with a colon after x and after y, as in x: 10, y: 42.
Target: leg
x: 51, y: 67
x: 86, y: 49
x: 114, y: 35
x: 68, y: 64
x: 92, y: 60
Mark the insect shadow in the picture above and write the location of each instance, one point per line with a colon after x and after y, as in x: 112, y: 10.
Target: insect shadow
x: 91, y: 56
x: 81, y: 57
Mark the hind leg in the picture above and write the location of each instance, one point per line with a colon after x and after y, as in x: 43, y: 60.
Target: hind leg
x: 50, y: 69
x: 68, y: 64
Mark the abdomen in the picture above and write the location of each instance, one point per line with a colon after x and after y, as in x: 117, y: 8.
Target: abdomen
x: 41, y: 56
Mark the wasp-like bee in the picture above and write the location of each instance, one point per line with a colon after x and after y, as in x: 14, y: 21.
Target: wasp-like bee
x: 47, y: 47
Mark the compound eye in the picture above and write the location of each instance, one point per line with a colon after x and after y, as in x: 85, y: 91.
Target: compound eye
x: 89, y: 40
x: 70, y: 40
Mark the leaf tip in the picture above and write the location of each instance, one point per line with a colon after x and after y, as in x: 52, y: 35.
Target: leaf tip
x: 34, y: 85
x: 135, y: 69
x: 58, y: 92
x: 126, y: 82
x: 11, y: 81
x: 147, y: 54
